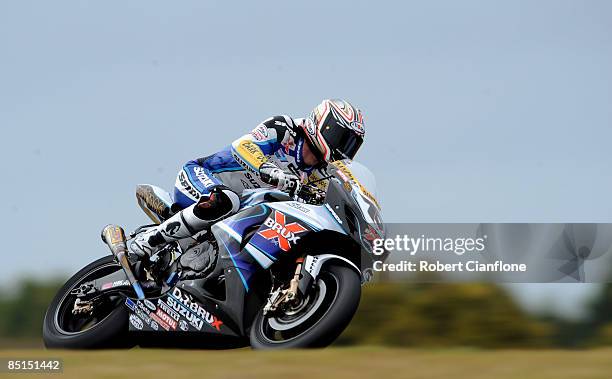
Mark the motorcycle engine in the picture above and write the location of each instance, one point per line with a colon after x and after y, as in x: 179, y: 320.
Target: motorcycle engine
x: 198, y: 260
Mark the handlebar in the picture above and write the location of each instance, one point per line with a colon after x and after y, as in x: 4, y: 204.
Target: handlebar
x: 308, y: 192
x: 311, y: 194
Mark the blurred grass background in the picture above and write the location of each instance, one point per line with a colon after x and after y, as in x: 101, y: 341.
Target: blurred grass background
x: 392, y: 314
x: 340, y: 363
x: 401, y: 330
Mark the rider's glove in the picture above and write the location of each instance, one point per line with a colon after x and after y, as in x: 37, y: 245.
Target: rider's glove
x: 283, y: 181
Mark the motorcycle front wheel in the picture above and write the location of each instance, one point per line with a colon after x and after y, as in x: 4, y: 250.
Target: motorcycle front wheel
x: 318, y: 319
x: 105, y: 326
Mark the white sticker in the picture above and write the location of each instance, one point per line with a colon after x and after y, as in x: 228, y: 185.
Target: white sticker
x: 136, y: 322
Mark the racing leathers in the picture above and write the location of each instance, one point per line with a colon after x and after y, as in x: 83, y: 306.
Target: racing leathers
x: 207, y: 189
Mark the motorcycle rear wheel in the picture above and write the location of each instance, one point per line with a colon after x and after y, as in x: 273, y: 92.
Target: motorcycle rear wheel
x: 104, y: 328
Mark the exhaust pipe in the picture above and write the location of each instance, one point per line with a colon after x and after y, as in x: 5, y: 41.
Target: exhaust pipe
x: 114, y: 237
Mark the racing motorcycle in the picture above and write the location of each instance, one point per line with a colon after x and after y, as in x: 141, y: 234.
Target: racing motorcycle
x: 282, y: 272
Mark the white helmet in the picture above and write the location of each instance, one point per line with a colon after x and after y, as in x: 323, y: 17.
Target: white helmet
x: 335, y: 128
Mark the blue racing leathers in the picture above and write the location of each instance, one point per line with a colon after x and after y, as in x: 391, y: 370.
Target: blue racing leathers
x: 277, y: 140
x: 208, y: 189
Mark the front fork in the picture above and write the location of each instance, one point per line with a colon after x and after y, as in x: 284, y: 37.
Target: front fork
x: 307, y: 270
x: 280, y: 296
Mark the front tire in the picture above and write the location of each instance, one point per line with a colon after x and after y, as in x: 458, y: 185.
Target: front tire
x: 106, y: 328
x: 328, y: 310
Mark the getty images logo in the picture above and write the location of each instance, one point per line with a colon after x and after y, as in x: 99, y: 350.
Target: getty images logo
x: 414, y: 245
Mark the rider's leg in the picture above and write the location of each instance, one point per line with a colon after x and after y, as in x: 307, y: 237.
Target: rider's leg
x: 204, y: 199
x: 218, y: 204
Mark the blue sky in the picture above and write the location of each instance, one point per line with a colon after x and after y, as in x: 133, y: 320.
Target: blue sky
x: 476, y: 111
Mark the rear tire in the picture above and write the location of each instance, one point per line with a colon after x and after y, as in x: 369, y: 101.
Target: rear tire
x: 334, y: 303
x: 108, y: 332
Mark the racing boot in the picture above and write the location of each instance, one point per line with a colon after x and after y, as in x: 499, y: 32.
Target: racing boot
x: 183, y: 224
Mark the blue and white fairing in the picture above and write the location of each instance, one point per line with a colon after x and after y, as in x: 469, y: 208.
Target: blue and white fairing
x: 265, y: 232
x: 269, y: 231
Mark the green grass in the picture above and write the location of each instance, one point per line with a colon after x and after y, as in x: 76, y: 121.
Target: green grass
x: 358, y: 362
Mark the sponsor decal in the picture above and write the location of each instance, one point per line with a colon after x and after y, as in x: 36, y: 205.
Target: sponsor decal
x: 136, y: 322
x: 159, y: 321
x: 130, y: 303
x: 253, y: 151
x: 260, y: 133
x: 299, y: 207
x: 345, y: 173
x: 329, y: 208
x: 195, y: 314
x: 163, y: 316
x: 184, y: 183
x: 143, y: 312
x: 285, y: 234
x: 166, y: 308
x: 245, y: 165
x: 149, y: 305
x: 200, y: 173
x: 114, y: 284
x: 144, y: 316
x: 183, y: 325
x: 186, y: 313
x: 251, y: 180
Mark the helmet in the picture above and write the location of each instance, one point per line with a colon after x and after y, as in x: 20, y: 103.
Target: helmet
x: 335, y: 129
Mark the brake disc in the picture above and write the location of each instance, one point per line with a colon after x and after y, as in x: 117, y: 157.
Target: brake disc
x: 278, y: 323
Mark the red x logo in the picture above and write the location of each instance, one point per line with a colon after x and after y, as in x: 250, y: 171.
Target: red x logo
x: 284, y: 233
x: 216, y: 323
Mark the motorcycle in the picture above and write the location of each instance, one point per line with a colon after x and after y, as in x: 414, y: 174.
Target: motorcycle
x: 282, y: 272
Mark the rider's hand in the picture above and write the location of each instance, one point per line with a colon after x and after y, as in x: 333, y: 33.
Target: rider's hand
x: 289, y: 183
x: 285, y: 182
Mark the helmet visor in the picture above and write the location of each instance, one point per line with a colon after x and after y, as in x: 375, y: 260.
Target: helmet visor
x: 343, y: 142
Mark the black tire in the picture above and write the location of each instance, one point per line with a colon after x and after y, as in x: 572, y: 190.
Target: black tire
x: 108, y: 332
x: 326, y: 323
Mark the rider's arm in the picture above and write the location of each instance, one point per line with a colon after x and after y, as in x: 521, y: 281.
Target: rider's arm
x: 250, y: 150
